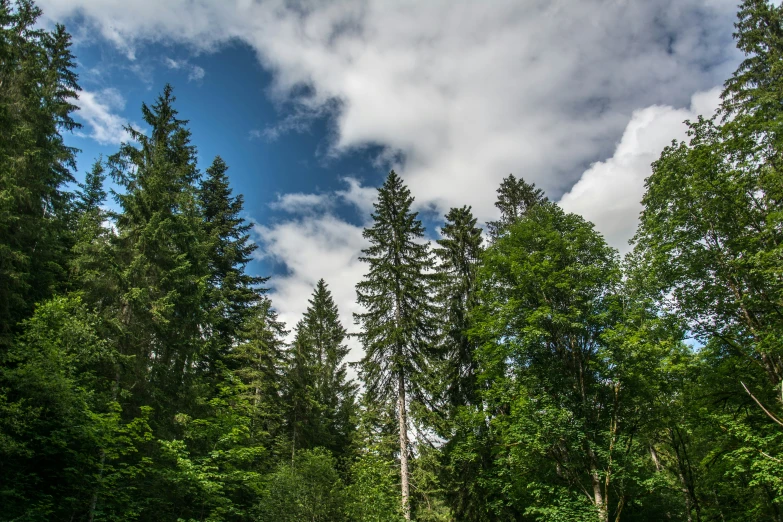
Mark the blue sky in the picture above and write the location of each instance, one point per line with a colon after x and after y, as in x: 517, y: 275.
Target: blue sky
x: 311, y: 102
x: 229, y: 115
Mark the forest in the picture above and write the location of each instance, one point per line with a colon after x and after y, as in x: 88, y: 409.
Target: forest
x: 520, y: 371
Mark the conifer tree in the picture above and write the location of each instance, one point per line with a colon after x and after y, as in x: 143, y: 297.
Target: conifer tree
x: 322, y: 398
x: 460, y: 417
x: 92, y: 194
x: 398, y: 326
x: 231, y: 292
x: 515, y: 198
x: 459, y: 252
x: 160, y: 248
x: 257, y: 361
x: 37, y: 88
x: 756, y: 84
x: 92, y: 263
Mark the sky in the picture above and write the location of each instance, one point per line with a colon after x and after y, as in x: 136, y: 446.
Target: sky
x: 311, y: 103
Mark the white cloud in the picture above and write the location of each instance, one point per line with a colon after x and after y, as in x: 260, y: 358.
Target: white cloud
x: 98, y: 110
x: 464, y: 92
x: 360, y: 197
x: 299, y: 203
x: 315, y: 247
x: 316, y: 244
x: 355, y: 195
x: 609, y: 192
x: 195, y: 73
x: 457, y: 95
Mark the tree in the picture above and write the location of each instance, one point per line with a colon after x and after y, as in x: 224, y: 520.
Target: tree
x: 710, y: 240
x: 398, y: 326
x: 65, y: 452
x: 755, y: 86
x: 161, y: 256
x: 570, y: 365
x: 718, y: 263
x: 321, y: 397
x: 37, y: 88
x: 460, y: 415
x: 515, y: 198
x: 231, y: 291
x: 93, y: 265
x: 459, y: 252
x: 257, y: 361
x: 309, y: 488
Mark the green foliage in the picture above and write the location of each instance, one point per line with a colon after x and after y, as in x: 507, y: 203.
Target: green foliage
x: 373, y: 495
x: 320, y: 396
x: 231, y: 292
x: 144, y: 373
x: 398, y: 327
x: 515, y: 198
x: 308, y: 488
x: 64, y: 445
x: 37, y: 88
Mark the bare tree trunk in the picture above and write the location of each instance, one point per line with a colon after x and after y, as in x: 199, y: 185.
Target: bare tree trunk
x: 402, y: 416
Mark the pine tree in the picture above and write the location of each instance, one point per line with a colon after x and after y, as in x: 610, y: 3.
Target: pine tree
x: 93, y: 265
x: 161, y: 256
x: 258, y: 360
x: 92, y: 194
x: 398, y: 326
x: 756, y: 85
x: 459, y: 253
x: 515, y: 198
x: 231, y: 292
x: 322, y: 398
x: 461, y: 417
x: 37, y: 88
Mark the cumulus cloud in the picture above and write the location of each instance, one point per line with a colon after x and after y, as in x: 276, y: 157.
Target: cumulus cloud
x: 609, y: 193
x: 313, y: 244
x: 355, y: 194
x: 98, y: 110
x: 314, y: 247
x: 577, y: 97
x: 359, y: 196
x: 458, y: 95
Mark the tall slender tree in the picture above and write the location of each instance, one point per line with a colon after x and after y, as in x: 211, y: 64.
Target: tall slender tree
x: 231, y: 291
x: 161, y: 254
x: 322, y: 398
x: 460, y: 416
x: 398, y: 326
x: 37, y: 88
x: 459, y: 252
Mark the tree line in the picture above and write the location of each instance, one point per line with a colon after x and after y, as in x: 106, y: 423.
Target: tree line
x: 524, y: 371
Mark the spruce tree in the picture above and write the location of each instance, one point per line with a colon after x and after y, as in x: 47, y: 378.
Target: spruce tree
x: 92, y: 194
x: 37, y: 88
x: 756, y: 84
x: 161, y: 256
x: 459, y: 253
x: 322, y: 398
x: 258, y: 360
x: 461, y: 418
x: 515, y: 198
x: 398, y: 326
x: 231, y: 292
x: 93, y: 265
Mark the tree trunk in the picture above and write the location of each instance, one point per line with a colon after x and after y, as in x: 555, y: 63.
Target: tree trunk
x: 402, y: 416
x: 598, y: 498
